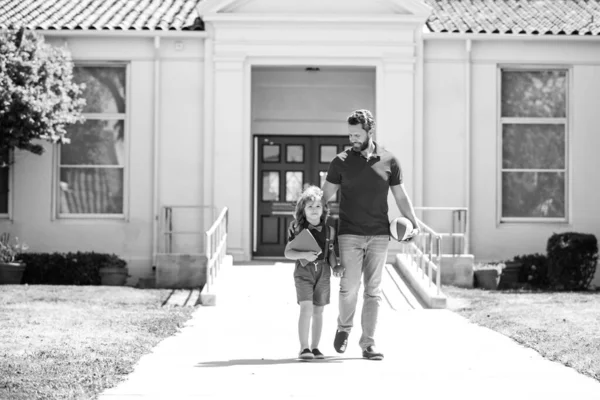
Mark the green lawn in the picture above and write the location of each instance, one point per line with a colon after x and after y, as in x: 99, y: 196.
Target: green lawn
x: 561, y: 326
x: 72, y: 342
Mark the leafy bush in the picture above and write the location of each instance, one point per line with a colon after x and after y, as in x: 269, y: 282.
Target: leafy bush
x: 535, y: 269
x: 67, y: 268
x: 572, y: 259
x: 38, y: 96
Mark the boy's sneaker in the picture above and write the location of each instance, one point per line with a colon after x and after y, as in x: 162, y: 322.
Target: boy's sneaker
x: 371, y: 354
x: 306, y: 354
x: 341, y: 341
x: 318, y: 355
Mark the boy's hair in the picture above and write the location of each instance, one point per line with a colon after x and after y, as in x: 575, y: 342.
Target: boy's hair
x: 311, y: 193
x: 362, y: 117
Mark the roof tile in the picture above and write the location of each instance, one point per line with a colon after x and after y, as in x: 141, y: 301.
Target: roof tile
x: 538, y: 17
x: 99, y: 14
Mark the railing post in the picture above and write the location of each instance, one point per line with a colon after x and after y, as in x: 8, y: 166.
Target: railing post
x: 439, y: 268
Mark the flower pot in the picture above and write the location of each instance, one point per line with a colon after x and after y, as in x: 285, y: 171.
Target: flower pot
x: 113, y: 276
x: 11, y: 273
x: 487, y: 279
x: 510, y: 275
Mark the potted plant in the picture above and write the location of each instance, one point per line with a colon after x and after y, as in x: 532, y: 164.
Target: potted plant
x: 511, y: 273
x: 113, y: 271
x: 487, y: 275
x: 11, y: 270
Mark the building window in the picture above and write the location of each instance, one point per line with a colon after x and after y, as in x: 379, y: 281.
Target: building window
x: 533, y: 144
x: 92, y: 166
x: 4, y: 186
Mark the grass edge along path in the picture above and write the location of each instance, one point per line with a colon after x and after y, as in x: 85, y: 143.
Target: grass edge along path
x: 561, y: 326
x: 73, y: 342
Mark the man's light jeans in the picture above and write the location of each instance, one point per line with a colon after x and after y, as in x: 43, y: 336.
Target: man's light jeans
x: 361, y: 254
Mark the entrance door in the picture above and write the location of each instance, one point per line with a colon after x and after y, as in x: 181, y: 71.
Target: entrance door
x: 284, y: 165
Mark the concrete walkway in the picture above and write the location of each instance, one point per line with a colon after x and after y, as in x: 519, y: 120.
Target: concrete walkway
x: 246, y: 348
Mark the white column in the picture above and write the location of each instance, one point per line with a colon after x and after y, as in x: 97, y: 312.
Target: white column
x: 231, y: 176
x: 395, y: 119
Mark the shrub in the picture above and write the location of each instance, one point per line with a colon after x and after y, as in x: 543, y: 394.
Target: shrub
x: 535, y: 269
x: 81, y: 268
x: 572, y: 259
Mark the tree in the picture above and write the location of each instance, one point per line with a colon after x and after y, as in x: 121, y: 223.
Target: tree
x: 38, y: 96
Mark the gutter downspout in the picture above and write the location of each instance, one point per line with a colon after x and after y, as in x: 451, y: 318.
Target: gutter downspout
x: 468, y: 45
x: 208, y: 137
x: 419, y: 122
x: 156, y: 155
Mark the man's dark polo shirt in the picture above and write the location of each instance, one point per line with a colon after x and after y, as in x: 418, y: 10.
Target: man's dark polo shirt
x: 364, y: 190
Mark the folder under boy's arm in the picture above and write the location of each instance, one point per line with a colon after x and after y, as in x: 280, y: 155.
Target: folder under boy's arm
x: 292, y: 254
x: 304, y: 246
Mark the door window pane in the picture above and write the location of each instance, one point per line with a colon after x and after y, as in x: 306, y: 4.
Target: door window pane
x: 270, y: 186
x: 104, y: 88
x: 533, y: 194
x: 327, y: 153
x: 293, y: 185
x: 91, y: 190
x: 294, y: 153
x: 534, y: 94
x: 533, y: 146
x: 270, y: 230
x: 271, y: 153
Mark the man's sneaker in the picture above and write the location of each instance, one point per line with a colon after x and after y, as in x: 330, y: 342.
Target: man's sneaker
x: 306, y: 354
x: 318, y: 355
x: 372, y: 354
x: 341, y: 341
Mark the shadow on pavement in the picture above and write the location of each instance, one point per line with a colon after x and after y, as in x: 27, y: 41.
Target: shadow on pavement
x: 268, y: 361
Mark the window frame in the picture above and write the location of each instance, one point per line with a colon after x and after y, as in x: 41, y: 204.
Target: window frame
x: 11, y: 191
x: 126, y: 118
x: 501, y: 121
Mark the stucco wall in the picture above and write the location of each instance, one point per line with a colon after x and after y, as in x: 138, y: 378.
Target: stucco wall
x: 33, y: 214
x: 445, y: 126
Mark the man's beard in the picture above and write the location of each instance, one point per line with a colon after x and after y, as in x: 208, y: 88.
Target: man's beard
x: 363, y: 146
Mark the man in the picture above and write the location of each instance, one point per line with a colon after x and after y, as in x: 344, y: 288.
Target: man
x: 365, y: 173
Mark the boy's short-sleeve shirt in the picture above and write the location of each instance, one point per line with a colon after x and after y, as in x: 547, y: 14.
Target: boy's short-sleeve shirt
x: 364, y: 186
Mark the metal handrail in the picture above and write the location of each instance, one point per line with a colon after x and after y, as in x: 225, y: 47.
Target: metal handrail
x: 166, y: 224
x: 460, y: 227
x: 426, y: 253
x: 215, y: 246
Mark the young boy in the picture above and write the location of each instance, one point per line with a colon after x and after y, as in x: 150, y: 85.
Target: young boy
x: 312, y: 280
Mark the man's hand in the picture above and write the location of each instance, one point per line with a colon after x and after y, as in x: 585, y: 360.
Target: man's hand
x: 414, y: 233
x: 342, y: 156
x: 338, y: 271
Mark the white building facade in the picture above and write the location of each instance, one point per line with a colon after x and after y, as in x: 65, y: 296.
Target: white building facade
x: 245, y: 112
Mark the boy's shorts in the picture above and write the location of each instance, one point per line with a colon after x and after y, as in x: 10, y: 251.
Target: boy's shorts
x: 313, y: 284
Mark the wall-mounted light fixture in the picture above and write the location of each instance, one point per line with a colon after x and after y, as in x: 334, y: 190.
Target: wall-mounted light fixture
x: 312, y: 69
